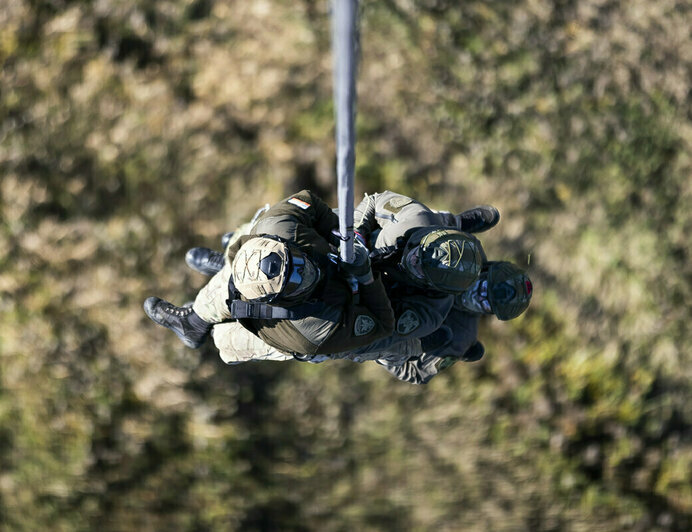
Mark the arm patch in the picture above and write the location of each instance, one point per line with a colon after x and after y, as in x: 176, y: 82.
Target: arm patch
x: 299, y: 203
x: 397, y: 203
x: 364, y: 325
x: 408, y: 322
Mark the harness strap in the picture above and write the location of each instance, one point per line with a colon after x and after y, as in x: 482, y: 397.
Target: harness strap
x: 263, y: 311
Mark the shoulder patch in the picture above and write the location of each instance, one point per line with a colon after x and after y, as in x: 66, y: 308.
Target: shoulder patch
x: 299, y: 203
x: 364, y: 324
x: 408, y: 322
x: 396, y: 204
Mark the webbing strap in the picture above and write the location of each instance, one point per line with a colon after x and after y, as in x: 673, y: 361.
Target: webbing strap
x: 263, y: 311
x: 240, y: 309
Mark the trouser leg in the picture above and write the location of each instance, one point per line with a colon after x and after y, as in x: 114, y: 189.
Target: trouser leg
x: 236, y: 344
x: 464, y: 327
x: 210, y: 303
x: 386, y: 350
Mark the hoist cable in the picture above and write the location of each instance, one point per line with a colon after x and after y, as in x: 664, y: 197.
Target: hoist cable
x: 345, y: 58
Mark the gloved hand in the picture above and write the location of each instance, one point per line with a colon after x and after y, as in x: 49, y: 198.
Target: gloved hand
x: 360, y: 267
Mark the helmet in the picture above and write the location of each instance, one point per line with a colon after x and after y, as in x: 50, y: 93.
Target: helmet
x: 265, y: 269
x: 509, y: 290
x: 449, y: 260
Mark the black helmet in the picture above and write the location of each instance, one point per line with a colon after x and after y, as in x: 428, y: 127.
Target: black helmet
x: 509, y: 289
x: 448, y: 260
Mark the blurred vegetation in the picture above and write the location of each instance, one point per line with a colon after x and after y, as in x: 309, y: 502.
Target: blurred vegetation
x: 130, y: 131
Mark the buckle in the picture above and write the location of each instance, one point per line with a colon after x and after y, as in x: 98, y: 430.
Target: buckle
x: 242, y: 309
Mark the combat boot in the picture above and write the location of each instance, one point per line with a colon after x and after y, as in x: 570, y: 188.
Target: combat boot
x: 226, y: 238
x: 478, y: 219
x: 437, y: 339
x: 183, y: 321
x: 474, y: 353
x: 204, y: 260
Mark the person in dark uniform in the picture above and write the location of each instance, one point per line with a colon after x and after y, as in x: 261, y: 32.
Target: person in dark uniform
x: 439, y: 315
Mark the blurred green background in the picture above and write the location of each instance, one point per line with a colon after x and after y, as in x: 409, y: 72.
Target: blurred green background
x: 133, y: 130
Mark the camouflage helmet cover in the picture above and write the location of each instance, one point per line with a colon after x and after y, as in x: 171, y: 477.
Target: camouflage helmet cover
x: 253, y: 280
x: 450, y: 259
x: 267, y: 268
x: 509, y: 290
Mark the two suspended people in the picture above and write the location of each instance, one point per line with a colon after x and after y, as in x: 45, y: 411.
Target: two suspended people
x: 279, y: 291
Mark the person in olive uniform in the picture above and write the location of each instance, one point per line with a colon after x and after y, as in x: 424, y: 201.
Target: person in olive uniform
x: 283, y: 283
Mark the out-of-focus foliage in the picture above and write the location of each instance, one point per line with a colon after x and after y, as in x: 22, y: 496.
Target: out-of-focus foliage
x: 130, y: 131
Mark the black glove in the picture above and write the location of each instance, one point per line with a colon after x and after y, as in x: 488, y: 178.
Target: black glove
x: 360, y: 267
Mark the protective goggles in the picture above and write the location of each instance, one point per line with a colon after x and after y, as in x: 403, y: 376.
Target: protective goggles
x: 503, y: 292
x: 301, y: 274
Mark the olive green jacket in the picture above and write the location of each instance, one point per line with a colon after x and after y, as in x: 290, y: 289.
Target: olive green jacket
x: 342, y: 321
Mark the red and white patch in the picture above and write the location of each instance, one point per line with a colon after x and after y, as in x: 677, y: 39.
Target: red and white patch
x: 299, y: 203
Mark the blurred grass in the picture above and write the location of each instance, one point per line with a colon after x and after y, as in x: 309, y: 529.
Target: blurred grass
x: 131, y: 131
